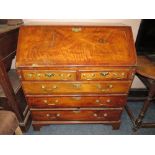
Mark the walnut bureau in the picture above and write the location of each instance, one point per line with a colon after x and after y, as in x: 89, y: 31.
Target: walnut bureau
x: 76, y: 74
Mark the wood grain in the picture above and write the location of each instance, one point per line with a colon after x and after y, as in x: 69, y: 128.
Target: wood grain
x: 76, y: 101
x: 60, y: 46
x: 101, y: 61
x: 82, y: 115
x: 105, y: 87
x: 146, y: 67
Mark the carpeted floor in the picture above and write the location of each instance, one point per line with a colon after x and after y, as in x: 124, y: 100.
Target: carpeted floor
x: 99, y: 129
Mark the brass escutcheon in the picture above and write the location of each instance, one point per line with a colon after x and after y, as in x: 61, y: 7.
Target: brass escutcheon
x: 104, y: 73
x: 102, y: 40
x: 76, y: 29
x: 77, y: 85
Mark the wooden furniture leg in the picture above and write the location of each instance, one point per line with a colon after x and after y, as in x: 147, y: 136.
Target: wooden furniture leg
x: 18, y: 131
x: 147, y: 102
x: 36, y: 127
x: 130, y: 114
x: 116, y: 126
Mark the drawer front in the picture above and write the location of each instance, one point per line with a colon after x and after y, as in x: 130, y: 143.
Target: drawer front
x: 75, y: 87
x: 48, y: 75
x: 105, y: 75
x: 82, y: 115
x: 76, y: 101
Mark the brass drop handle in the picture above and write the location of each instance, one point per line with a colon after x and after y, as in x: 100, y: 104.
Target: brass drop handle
x: 61, y: 75
x: 38, y: 75
x: 104, y: 89
x: 49, y: 74
x: 45, y: 101
x: 120, y: 75
x: 97, y: 101
x: 76, y: 29
x: 89, y: 76
x: 69, y: 75
x: 110, y: 85
x: 104, y: 115
x: 51, y: 103
x: 104, y: 73
x: 77, y: 85
x: 58, y: 115
x: 115, y: 74
x: 53, y: 87
x: 49, y: 115
x: 43, y: 86
x: 95, y: 115
x: 29, y: 75
x: 123, y: 74
x: 108, y: 101
x: 84, y: 75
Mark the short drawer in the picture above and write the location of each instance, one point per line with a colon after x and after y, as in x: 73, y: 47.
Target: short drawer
x: 48, y: 75
x: 105, y: 75
x: 76, y: 115
x: 76, y: 101
x: 75, y: 87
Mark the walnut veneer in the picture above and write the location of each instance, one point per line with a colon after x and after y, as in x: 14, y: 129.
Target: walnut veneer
x: 76, y: 74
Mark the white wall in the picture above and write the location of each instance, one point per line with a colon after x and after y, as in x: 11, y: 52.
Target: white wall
x: 134, y: 23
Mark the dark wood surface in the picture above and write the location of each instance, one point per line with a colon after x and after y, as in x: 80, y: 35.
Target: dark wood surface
x: 76, y: 101
x: 76, y: 115
x: 75, y: 66
x: 146, y: 67
x: 146, y: 72
x: 11, y: 94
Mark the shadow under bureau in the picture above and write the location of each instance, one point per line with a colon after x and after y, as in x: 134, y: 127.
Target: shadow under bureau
x: 76, y: 74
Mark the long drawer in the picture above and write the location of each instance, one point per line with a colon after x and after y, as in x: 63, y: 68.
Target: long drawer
x: 77, y: 115
x: 76, y: 101
x: 76, y: 87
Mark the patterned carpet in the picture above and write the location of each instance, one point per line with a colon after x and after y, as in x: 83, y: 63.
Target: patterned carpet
x: 99, y: 129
